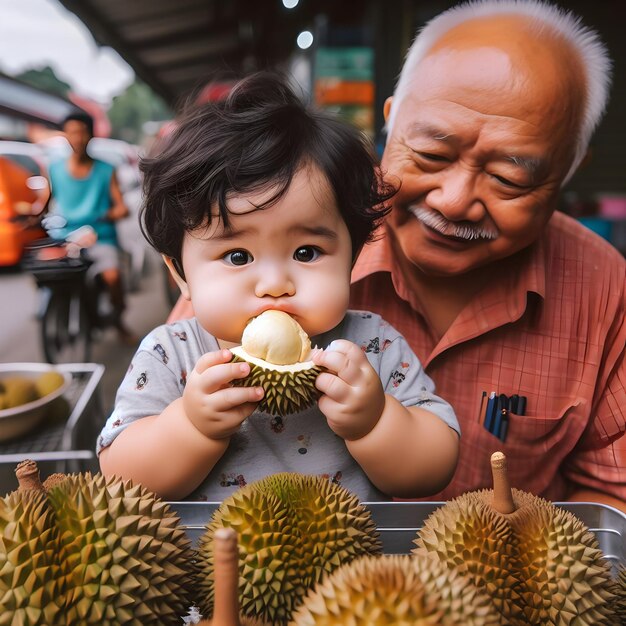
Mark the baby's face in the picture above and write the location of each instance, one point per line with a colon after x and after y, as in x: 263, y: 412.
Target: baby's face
x: 294, y: 256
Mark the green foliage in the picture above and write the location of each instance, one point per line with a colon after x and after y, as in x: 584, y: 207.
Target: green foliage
x: 129, y: 111
x: 45, y: 79
x: 132, y: 109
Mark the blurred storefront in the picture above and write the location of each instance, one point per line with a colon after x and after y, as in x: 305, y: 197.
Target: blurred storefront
x: 350, y: 66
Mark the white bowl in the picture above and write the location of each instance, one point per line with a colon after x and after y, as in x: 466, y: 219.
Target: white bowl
x: 19, y: 420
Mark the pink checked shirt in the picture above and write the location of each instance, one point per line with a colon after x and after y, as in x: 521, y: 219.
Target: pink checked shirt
x: 554, y: 330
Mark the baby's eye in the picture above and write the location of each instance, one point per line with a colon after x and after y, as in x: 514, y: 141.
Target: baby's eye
x: 238, y: 257
x: 306, y: 254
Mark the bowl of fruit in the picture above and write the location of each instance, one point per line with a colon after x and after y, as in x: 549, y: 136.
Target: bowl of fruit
x: 27, y: 393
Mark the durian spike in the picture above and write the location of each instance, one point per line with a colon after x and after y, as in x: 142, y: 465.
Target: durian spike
x: 226, y: 604
x: 502, y: 495
x: 27, y: 474
x: 53, y: 480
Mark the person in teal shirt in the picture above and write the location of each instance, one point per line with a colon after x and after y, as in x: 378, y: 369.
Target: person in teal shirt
x: 87, y: 193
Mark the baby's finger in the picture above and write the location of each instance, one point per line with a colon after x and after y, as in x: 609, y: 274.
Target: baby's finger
x: 333, y: 387
x: 219, y: 376
x: 209, y: 359
x: 236, y: 398
x: 346, y: 366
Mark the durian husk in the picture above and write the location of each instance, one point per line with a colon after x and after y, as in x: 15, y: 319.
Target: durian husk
x: 395, y: 589
x: 33, y: 573
x: 558, y: 575
x: 619, y: 604
x: 287, y: 388
x: 292, y: 529
x: 109, y: 553
x: 469, y: 535
x: 125, y: 543
x: 567, y: 579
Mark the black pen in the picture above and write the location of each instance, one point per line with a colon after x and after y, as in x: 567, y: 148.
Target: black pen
x: 489, y: 412
x: 521, y: 407
x: 505, y: 427
x: 500, y: 411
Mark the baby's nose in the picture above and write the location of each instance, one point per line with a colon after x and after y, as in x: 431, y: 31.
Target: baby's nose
x: 275, y: 283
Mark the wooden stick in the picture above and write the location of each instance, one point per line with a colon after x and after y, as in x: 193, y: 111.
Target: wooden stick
x: 502, y: 495
x: 225, y: 596
x: 27, y: 474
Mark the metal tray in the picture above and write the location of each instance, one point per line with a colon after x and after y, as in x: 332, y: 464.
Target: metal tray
x: 60, y: 443
x: 398, y: 523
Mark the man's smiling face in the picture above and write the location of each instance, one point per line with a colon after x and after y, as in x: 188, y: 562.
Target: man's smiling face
x: 481, y: 144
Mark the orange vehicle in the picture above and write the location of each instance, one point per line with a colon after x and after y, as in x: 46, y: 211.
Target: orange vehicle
x: 17, y: 226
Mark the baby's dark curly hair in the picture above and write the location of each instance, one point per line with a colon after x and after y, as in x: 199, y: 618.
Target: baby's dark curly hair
x: 257, y: 138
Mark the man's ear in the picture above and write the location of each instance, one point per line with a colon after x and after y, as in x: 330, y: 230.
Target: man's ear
x: 182, y: 285
x: 387, y: 108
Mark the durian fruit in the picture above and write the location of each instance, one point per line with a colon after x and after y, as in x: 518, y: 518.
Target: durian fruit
x: 619, y: 605
x: 539, y: 563
x: 17, y: 390
x: 33, y: 570
x: 47, y: 382
x: 395, y: 589
x: 278, y: 352
x: 292, y: 528
x: 91, y: 551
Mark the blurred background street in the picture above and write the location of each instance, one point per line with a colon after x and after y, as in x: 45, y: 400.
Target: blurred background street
x: 134, y: 65
x: 20, y: 333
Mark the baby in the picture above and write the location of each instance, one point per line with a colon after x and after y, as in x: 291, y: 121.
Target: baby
x: 260, y: 203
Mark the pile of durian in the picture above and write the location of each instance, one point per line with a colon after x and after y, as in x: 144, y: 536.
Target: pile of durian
x: 294, y: 550
x: 493, y: 557
x: 17, y: 390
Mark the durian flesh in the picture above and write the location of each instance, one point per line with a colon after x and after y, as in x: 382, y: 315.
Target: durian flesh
x: 277, y: 350
x: 275, y: 337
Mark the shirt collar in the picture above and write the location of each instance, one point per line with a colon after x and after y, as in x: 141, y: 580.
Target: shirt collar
x: 502, y: 301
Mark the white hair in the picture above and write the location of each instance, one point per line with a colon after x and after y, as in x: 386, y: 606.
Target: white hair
x: 542, y: 17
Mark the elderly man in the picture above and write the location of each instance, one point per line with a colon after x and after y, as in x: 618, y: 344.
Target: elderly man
x: 495, y: 291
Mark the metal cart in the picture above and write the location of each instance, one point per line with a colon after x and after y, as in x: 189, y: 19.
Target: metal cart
x: 68, y: 446
x: 398, y: 523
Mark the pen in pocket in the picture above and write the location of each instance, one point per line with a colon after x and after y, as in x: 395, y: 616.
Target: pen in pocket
x: 500, y: 410
x: 497, y: 412
x: 490, y: 411
x: 505, y: 426
x: 481, y: 410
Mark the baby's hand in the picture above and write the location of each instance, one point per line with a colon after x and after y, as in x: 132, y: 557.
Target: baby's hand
x: 353, y: 397
x: 212, y: 405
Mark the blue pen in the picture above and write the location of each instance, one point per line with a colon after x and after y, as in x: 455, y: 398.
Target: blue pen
x: 489, y: 413
x: 499, y: 411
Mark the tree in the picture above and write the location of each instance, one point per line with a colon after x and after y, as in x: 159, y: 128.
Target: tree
x: 45, y: 79
x: 132, y: 109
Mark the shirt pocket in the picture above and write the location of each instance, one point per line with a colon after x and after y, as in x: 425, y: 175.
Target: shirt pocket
x: 531, y: 436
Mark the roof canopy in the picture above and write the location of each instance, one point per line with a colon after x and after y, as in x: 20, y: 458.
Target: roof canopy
x: 176, y: 46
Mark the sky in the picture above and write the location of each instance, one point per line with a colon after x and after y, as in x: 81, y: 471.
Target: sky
x: 36, y: 33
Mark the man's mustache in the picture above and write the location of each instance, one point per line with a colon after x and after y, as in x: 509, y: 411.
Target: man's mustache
x: 438, y: 222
